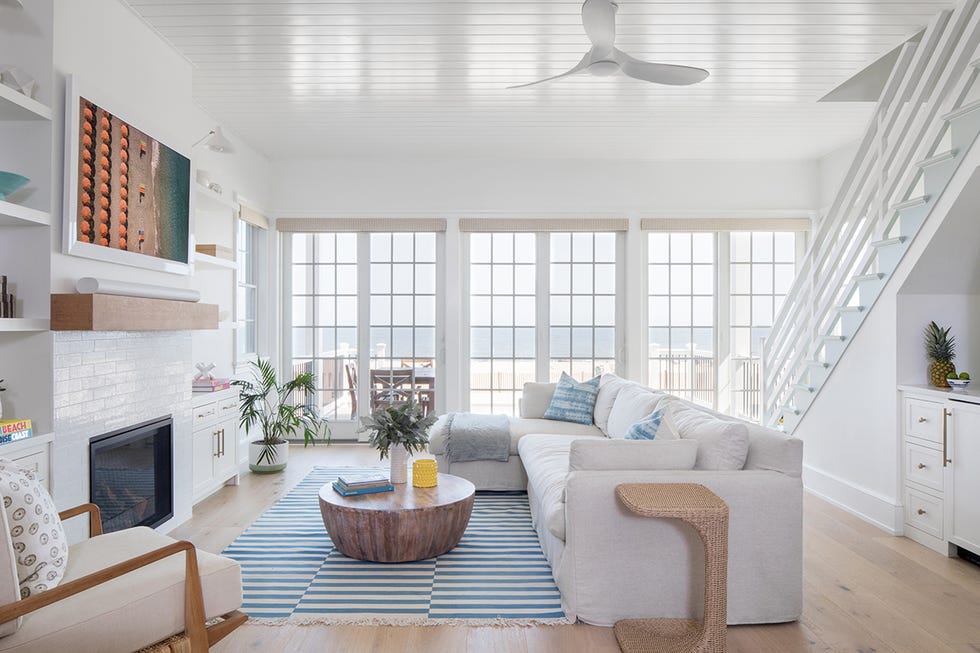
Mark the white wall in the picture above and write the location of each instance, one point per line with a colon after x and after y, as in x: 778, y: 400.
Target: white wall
x: 831, y: 169
x: 451, y: 187
x: 961, y: 312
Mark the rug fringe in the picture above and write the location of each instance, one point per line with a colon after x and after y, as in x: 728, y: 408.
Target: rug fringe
x: 319, y: 620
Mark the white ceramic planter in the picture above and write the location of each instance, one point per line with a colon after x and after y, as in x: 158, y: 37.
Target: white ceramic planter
x: 278, y: 462
x: 399, y: 464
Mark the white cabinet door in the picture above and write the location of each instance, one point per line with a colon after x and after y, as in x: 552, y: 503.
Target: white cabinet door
x: 226, y: 462
x: 964, y: 451
x: 205, y: 448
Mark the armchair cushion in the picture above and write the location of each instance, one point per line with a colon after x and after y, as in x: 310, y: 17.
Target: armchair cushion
x: 9, y: 591
x: 36, y: 533
x: 129, y: 612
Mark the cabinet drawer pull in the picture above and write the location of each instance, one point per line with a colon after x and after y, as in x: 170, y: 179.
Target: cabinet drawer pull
x: 921, y: 465
x: 922, y: 419
x: 216, y: 449
x: 920, y: 511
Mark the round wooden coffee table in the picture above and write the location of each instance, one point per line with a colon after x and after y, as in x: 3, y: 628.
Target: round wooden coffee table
x: 411, y: 523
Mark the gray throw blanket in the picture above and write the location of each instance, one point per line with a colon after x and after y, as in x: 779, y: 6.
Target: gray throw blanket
x: 470, y: 436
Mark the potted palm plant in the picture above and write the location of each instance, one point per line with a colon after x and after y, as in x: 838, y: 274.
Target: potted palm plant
x: 271, y: 406
x: 398, y: 430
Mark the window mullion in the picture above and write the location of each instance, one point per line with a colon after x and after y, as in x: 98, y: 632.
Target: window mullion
x: 363, y: 326
x: 723, y: 322
x: 543, y: 304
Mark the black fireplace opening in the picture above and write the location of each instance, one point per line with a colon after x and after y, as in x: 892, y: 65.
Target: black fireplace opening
x: 131, y: 475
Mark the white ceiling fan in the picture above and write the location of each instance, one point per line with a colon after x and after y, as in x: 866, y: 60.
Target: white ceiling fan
x: 599, y: 19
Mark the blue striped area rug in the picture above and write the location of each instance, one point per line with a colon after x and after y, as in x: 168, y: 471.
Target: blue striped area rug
x: 496, y: 575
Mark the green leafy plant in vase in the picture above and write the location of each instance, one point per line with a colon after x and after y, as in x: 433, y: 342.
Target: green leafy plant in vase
x: 271, y: 406
x: 941, y: 349
x: 398, y: 430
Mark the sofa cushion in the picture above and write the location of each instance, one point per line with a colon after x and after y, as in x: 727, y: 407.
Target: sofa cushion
x: 609, y: 388
x: 36, y: 533
x: 633, y: 403
x: 648, y: 455
x: 519, y: 427
x: 536, y: 399
x: 573, y: 400
x: 722, y: 444
x: 132, y: 611
x: 545, y: 459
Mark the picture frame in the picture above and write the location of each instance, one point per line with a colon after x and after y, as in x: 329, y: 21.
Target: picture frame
x: 129, y: 206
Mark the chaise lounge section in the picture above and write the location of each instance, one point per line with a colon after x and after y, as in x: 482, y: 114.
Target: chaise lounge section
x: 611, y: 564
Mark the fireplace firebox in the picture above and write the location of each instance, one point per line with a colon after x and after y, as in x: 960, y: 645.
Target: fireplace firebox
x: 131, y: 475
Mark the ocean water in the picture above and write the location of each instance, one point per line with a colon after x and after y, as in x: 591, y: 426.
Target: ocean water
x: 171, y: 191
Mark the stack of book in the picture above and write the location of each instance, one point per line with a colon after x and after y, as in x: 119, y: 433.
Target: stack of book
x: 211, y: 384
x: 354, y: 484
x: 8, y: 302
x: 16, y: 429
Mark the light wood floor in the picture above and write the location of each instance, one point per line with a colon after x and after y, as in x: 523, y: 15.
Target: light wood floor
x: 864, y: 591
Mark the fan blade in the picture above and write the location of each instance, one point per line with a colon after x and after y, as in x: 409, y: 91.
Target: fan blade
x: 599, y: 20
x: 659, y: 73
x: 581, y: 65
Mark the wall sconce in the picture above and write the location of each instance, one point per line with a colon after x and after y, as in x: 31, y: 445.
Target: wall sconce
x: 216, y: 141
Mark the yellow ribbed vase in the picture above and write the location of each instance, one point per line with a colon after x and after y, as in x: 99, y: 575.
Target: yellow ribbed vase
x: 425, y: 473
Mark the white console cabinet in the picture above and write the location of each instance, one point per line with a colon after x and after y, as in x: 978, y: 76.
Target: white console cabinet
x: 941, y: 467
x: 215, y: 442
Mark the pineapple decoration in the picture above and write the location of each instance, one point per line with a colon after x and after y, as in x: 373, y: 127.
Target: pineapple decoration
x: 941, y: 349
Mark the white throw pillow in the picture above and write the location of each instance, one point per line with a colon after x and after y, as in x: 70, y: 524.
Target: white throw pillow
x: 8, y: 578
x: 38, y: 537
x: 609, y: 389
x: 633, y: 403
x: 646, y: 455
x: 722, y: 445
x: 536, y: 398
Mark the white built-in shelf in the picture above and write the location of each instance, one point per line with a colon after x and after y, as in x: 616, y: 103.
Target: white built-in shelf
x: 23, y: 324
x: 29, y: 443
x: 15, y: 215
x: 209, y: 200
x: 230, y: 325
x: 208, y: 261
x: 17, y: 106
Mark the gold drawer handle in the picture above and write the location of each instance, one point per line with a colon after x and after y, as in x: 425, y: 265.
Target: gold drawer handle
x: 921, y: 511
x: 921, y: 465
x: 922, y: 419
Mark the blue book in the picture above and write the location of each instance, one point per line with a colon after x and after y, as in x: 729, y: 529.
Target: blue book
x: 368, y: 490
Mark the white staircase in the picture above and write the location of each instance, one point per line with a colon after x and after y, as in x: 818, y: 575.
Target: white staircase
x: 928, y: 117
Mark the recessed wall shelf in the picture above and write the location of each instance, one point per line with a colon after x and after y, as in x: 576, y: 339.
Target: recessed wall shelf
x: 15, y: 215
x: 207, y: 261
x: 17, y: 106
x: 208, y: 200
x: 23, y: 324
x: 85, y: 312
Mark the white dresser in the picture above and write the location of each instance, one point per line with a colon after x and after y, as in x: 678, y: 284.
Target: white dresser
x: 215, y: 441
x: 941, y: 467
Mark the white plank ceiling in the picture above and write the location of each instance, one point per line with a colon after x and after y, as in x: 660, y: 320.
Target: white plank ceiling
x: 406, y: 78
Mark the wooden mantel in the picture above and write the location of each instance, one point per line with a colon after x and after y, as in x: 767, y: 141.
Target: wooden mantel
x: 85, y: 312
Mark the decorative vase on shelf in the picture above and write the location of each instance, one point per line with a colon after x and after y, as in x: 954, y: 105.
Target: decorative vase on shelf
x: 399, y: 464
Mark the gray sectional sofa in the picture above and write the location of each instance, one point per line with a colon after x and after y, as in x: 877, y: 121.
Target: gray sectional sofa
x: 610, y: 564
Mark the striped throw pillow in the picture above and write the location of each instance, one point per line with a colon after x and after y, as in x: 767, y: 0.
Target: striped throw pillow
x: 573, y: 401
x: 648, y: 427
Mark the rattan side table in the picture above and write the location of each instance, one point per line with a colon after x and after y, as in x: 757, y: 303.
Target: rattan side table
x: 708, y: 514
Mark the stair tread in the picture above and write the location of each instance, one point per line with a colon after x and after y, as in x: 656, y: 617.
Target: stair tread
x: 874, y: 276
x: 817, y: 364
x: 910, y: 203
x: 804, y: 386
x: 888, y: 242
x: 851, y: 309
x: 937, y: 158
x: 962, y: 111
x: 834, y: 337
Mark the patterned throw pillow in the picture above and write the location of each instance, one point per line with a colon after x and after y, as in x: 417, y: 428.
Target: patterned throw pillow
x: 650, y: 427
x: 38, y: 537
x: 573, y: 401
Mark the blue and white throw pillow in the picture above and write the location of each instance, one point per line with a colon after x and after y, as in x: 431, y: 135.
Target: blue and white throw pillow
x: 647, y: 428
x: 573, y: 401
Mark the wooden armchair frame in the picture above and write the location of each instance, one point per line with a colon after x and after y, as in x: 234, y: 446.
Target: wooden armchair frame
x: 201, y: 636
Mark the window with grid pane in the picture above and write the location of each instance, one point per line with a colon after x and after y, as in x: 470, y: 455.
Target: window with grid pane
x: 246, y: 305
x: 763, y: 266
x: 403, y: 318
x: 582, y: 304
x: 324, y: 317
x: 681, y: 308
x: 502, y: 279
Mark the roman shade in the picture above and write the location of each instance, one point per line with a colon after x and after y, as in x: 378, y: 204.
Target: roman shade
x: 724, y: 224
x: 484, y: 225
x: 253, y: 217
x: 335, y: 225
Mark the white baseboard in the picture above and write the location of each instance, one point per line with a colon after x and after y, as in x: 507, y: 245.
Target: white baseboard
x: 874, y: 508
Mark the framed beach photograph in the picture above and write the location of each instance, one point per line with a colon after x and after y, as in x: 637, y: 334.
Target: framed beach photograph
x: 127, y: 195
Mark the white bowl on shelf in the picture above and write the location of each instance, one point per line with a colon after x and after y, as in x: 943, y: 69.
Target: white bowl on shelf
x: 958, y: 384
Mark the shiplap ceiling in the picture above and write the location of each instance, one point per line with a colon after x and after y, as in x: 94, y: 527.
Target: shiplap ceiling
x: 363, y: 78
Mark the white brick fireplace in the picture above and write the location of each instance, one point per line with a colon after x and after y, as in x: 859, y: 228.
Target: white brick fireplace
x: 108, y: 380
